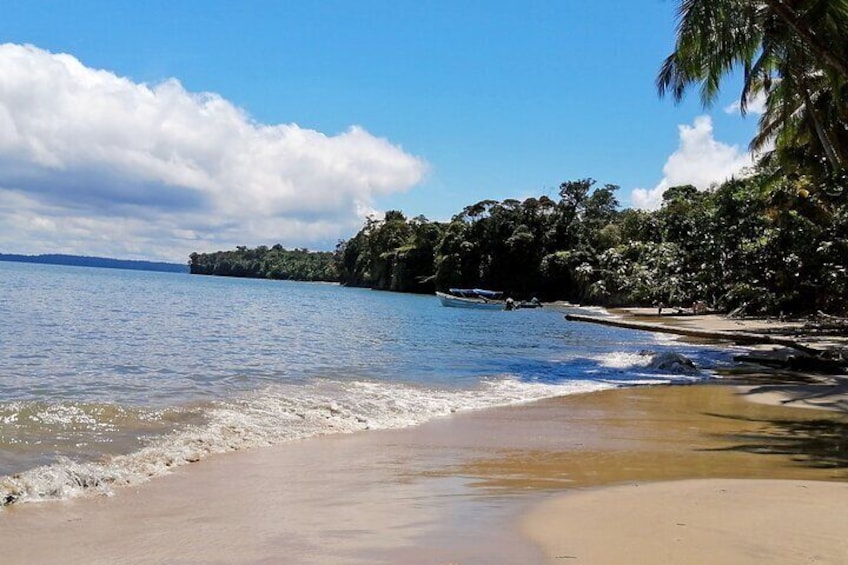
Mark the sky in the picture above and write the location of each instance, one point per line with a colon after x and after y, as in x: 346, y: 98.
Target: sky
x: 148, y: 130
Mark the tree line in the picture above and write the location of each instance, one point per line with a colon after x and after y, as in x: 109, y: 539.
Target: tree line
x: 758, y: 245
x: 267, y: 263
x: 762, y: 244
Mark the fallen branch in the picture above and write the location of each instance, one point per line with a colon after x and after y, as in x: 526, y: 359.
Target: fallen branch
x: 840, y: 319
x: 742, y: 338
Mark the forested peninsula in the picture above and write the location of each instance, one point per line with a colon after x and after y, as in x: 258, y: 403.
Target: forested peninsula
x: 761, y: 244
x: 267, y: 263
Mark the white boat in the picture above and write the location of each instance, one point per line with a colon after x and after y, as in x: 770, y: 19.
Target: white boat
x: 470, y: 301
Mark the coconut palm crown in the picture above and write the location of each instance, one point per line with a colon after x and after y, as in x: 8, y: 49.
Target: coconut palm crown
x: 794, y: 53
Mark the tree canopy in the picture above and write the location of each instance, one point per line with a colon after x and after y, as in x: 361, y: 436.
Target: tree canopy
x: 266, y: 262
x: 755, y: 245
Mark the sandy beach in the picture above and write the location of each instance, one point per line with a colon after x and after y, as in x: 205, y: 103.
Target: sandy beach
x: 697, y: 521
x: 722, y: 520
x: 454, y: 491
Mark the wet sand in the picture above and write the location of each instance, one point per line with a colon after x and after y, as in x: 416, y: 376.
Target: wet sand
x: 450, y: 491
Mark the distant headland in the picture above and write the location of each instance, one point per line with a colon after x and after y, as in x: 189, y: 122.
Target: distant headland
x: 99, y: 262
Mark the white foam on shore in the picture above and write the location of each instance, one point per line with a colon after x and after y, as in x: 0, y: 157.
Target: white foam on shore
x: 599, y: 311
x: 659, y: 364
x: 272, y: 416
x: 624, y: 360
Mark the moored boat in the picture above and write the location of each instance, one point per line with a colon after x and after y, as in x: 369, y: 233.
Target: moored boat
x: 472, y: 298
x: 534, y: 303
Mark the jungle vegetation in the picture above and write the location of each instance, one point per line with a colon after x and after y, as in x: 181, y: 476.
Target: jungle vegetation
x: 758, y: 244
x: 764, y: 243
x: 267, y: 263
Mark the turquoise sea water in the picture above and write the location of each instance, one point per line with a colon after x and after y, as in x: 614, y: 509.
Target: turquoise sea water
x: 111, y: 377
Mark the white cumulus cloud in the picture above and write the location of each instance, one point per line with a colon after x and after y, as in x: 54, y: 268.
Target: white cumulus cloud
x: 699, y: 160
x: 91, y: 162
x: 756, y: 105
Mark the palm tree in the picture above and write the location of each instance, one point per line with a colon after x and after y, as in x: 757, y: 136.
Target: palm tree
x: 805, y: 120
x: 795, y: 52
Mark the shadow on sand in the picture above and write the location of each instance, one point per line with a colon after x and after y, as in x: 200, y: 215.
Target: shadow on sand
x: 820, y: 443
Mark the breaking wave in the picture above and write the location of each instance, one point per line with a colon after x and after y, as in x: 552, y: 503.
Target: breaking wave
x: 275, y: 415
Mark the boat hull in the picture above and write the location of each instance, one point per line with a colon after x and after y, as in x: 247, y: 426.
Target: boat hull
x: 477, y: 303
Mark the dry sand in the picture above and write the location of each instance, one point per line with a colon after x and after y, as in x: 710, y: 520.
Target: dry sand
x: 694, y: 522
x: 711, y: 322
x: 730, y: 520
x: 793, y: 329
x: 451, y: 491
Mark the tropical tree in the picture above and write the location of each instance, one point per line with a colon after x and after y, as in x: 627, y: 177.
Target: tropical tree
x: 793, y: 52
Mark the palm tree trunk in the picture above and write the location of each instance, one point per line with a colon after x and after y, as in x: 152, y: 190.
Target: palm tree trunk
x: 827, y: 146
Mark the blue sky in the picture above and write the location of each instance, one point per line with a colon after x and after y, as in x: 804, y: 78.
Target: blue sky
x: 453, y: 102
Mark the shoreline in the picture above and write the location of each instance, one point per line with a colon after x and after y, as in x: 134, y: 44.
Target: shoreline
x: 448, y: 491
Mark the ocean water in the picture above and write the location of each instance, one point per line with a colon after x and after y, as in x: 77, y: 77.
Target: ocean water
x: 112, y: 377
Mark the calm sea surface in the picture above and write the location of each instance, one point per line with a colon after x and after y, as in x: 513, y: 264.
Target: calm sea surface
x: 111, y: 377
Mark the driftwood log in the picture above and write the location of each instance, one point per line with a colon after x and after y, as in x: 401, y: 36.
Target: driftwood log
x: 738, y: 337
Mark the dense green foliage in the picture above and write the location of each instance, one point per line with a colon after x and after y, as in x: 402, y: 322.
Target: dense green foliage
x: 762, y: 244
x: 794, y: 55
x: 757, y: 244
x: 267, y: 262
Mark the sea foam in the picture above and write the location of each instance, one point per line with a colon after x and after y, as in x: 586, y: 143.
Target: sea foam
x: 275, y: 415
